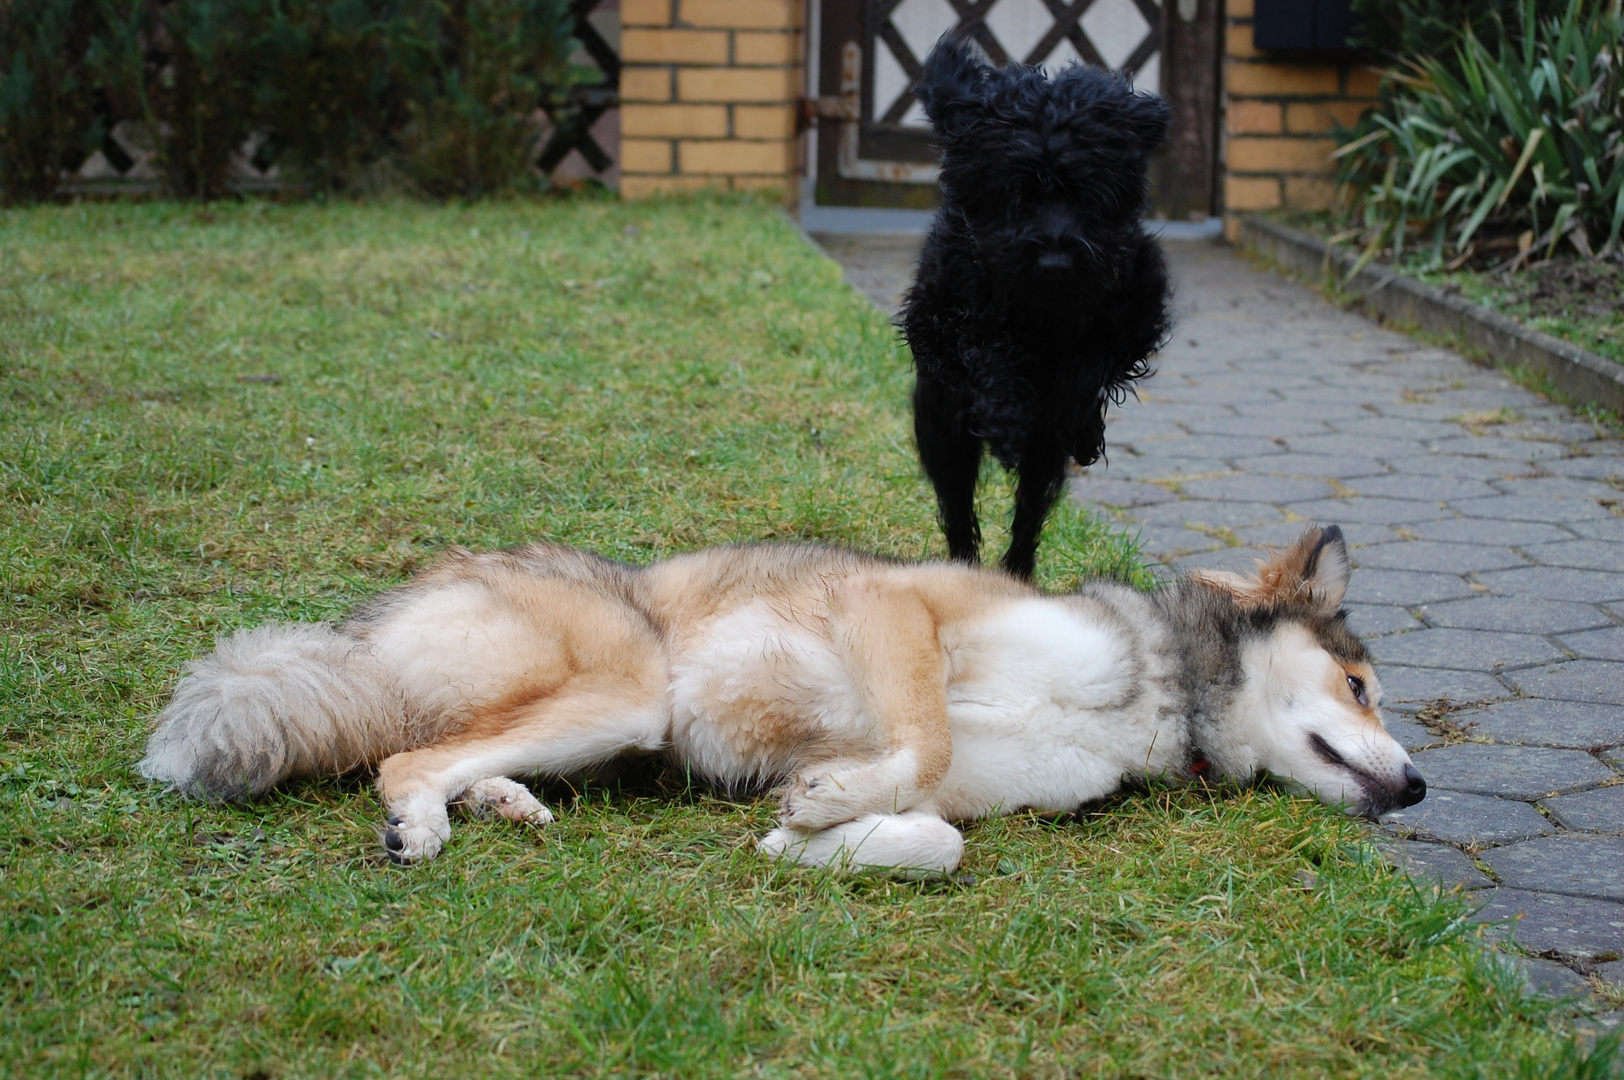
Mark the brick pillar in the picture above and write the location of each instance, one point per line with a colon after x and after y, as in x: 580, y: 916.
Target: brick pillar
x: 1278, y: 114
x: 708, y: 95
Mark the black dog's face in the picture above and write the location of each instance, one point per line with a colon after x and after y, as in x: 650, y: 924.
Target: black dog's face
x: 1048, y: 173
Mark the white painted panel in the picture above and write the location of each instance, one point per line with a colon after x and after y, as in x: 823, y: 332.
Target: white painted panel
x: 1149, y: 75
x: 1019, y: 25
x: 890, y: 81
x: 1116, y: 28
x: 1064, y: 55
x: 922, y: 22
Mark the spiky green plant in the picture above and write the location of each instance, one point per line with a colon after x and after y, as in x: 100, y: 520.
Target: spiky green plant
x: 1530, y: 136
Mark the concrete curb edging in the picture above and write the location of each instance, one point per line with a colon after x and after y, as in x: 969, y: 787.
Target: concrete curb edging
x: 1578, y: 373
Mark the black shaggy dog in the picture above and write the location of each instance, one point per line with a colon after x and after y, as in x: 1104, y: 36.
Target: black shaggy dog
x: 1039, y: 295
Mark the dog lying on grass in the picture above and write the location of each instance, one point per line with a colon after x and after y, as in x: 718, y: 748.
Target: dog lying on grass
x: 893, y: 698
x: 1039, y: 296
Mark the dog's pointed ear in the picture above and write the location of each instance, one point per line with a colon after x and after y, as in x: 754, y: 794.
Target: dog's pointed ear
x: 1149, y: 118
x: 951, y: 87
x: 1314, y: 572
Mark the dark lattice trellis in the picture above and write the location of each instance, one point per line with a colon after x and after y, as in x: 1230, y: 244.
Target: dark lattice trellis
x: 579, y: 108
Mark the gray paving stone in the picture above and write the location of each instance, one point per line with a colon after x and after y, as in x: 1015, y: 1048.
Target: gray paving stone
x: 1512, y: 772
x: 1551, y: 978
x: 1396, y: 427
x: 1569, y: 432
x: 1356, y: 446
x: 1597, y: 811
x: 1375, y: 510
x: 1436, y: 555
x: 1479, y: 396
x: 1589, y: 866
x: 1423, y: 684
x: 1438, y: 863
x: 1577, y: 927
x: 1374, y: 620
x: 1266, y: 426
x: 1610, y: 528
x: 1210, y: 447
x: 1410, y: 735
x: 1331, y: 466
x: 1136, y: 407
x: 1144, y: 429
x: 1284, y: 533
x: 1406, y: 587
x: 1600, y: 681
x: 1126, y: 466
x: 1118, y: 492
x: 1269, y: 406
x: 1557, y: 487
x: 1519, y: 614
x: 1567, y: 725
x: 1422, y: 488
x: 1611, y: 972
x: 1590, y: 468
x: 1584, y: 554
x: 1433, y: 464
x: 1462, y: 530
x: 1555, y: 583
x: 1491, y: 447
x: 1605, y: 644
x: 1167, y: 541
x: 1418, y: 410
x: 1467, y: 650
x: 1458, y: 817
x: 1530, y: 508
x: 1242, y: 560
x: 1214, y: 513
x: 1208, y: 393
x: 1262, y: 489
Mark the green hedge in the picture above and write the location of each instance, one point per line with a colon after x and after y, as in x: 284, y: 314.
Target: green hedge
x: 439, y: 92
x: 1527, y: 136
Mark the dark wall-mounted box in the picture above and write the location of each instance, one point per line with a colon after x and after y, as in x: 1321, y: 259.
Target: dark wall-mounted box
x: 1302, y: 25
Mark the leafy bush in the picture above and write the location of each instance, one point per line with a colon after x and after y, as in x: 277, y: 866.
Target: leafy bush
x: 473, y: 73
x: 1529, y: 136
x: 47, y: 115
x: 1404, y: 28
x: 324, y: 95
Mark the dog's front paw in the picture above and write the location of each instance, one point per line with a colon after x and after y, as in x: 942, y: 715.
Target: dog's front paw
x: 819, y: 799
x: 508, y: 798
x: 417, y: 829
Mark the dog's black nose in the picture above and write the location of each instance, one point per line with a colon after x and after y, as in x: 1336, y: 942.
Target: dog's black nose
x: 1415, y: 787
x: 1053, y: 263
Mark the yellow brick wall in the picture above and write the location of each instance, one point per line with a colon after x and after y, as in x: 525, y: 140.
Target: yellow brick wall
x: 1278, y: 113
x: 708, y: 93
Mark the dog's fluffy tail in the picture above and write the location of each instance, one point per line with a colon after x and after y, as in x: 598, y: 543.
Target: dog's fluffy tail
x: 278, y: 701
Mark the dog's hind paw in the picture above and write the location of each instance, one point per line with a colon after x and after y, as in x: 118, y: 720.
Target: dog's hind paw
x: 508, y: 798
x: 417, y: 829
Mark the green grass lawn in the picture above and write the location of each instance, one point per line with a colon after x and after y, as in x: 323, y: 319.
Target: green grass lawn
x: 212, y: 419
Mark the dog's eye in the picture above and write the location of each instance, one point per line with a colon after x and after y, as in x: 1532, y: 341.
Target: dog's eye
x: 1357, y: 685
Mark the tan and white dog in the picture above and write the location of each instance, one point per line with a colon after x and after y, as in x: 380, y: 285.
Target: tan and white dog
x: 893, y: 698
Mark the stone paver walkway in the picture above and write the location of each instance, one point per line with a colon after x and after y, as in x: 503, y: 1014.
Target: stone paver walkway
x: 1486, y: 531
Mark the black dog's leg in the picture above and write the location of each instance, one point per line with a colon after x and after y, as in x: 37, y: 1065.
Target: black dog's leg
x: 1041, y: 472
x: 952, y: 459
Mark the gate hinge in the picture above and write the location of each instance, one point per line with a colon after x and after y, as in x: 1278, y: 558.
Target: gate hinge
x: 840, y: 107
